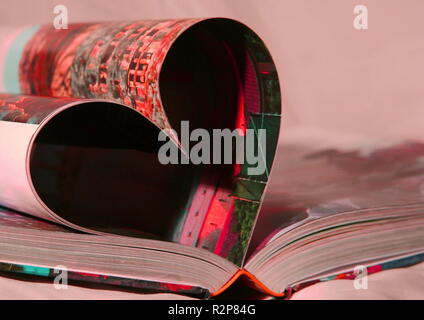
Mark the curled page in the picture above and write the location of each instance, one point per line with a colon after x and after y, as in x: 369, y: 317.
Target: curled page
x: 56, y: 153
x: 207, y: 74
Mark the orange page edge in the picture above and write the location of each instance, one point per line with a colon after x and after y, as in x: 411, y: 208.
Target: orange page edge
x: 251, y: 277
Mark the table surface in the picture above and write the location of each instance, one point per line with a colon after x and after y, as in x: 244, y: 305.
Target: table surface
x: 403, y: 283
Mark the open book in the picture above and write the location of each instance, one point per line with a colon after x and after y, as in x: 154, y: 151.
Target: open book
x: 87, y: 189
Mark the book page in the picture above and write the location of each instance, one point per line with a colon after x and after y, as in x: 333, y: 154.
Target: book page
x: 326, y: 175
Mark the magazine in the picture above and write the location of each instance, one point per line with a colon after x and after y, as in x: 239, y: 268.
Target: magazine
x: 106, y: 172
